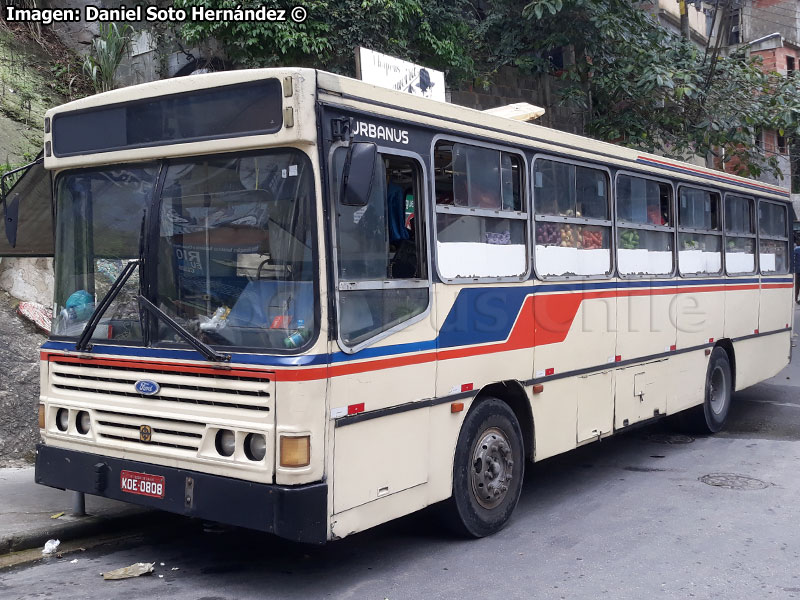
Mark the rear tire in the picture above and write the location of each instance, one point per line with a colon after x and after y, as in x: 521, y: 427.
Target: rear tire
x: 487, y: 471
x: 710, y: 416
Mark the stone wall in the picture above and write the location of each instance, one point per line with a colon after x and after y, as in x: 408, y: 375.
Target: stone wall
x: 29, y: 279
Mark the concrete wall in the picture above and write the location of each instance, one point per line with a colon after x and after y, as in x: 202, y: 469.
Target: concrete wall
x: 762, y: 17
x: 511, y: 86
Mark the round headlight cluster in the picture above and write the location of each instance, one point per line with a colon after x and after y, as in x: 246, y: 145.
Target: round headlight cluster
x: 62, y: 419
x: 225, y: 442
x: 83, y: 422
x: 255, y: 446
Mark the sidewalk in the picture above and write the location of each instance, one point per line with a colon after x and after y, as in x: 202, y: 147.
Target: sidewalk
x: 26, y: 509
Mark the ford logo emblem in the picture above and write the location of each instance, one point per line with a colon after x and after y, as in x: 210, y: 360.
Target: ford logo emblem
x: 147, y: 387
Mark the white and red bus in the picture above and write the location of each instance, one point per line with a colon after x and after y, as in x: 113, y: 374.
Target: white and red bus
x: 296, y: 302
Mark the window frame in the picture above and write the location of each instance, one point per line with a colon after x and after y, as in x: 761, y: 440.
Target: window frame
x: 785, y: 238
x: 735, y: 235
x: 646, y: 227
x: 719, y: 232
x: 421, y: 237
x: 523, y: 215
x: 537, y: 217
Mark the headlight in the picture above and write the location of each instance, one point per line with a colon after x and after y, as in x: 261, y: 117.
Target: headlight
x: 225, y: 442
x: 62, y: 419
x: 255, y: 446
x: 83, y: 422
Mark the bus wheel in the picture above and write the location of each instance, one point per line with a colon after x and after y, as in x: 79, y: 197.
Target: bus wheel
x: 487, y: 471
x: 710, y: 416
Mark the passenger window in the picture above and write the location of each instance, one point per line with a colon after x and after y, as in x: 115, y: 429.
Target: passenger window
x: 740, y: 235
x: 700, y: 232
x: 773, y: 240
x: 644, y: 227
x: 481, y: 224
x: 381, y: 257
x: 573, y: 229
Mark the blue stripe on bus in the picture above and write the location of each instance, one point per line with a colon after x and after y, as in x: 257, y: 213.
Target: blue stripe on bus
x: 481, y: 315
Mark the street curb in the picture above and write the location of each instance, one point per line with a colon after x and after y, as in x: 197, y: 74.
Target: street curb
x: 66, y: 531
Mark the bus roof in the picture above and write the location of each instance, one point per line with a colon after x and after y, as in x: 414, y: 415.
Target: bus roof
x: 345, y: 91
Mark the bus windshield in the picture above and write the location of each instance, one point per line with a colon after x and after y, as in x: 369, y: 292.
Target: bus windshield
x: 230, y: 259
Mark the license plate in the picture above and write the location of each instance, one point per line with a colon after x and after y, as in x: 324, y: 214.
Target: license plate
x: 142, y: 484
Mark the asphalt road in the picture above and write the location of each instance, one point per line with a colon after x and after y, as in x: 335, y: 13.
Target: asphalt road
x: 633, y: 517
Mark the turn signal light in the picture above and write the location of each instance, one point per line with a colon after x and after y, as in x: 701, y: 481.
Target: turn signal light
x: 41, y: 416
x: 295, y: 451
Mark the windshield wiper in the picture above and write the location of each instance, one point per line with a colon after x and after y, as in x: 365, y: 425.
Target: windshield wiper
x: 113, y: 292
x: 193, y: 341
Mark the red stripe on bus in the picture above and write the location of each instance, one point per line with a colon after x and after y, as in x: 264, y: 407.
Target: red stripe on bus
x: 543, y: 319
x: 161, y: 366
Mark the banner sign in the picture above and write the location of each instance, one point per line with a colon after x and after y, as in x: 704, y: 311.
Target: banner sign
x: 393, y: 73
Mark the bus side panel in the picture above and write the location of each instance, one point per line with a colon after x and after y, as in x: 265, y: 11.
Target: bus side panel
x: 574, y: 332
x: 385, y: 454
x: 776, y: 306
x: 699, y: 317
x: 486, y: 335
x: 646, y: 318
x: 688, y: 380
x: 380, y: 457
x: 555, y: 412
x: 760, y: 358
x: 741, y: 308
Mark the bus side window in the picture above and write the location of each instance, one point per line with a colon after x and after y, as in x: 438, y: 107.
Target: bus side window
x: 480, y: 213
x: 573, y: 226
x: 700, y: 232
x: 740, y: 235
x: 381, y: 252
x: 644, y: 227
x: 773, y: 243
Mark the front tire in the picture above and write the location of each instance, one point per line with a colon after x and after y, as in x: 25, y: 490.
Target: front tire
x: 487, y: 471
x: 710, y: 416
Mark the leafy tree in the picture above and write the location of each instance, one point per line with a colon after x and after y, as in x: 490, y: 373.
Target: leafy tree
x: 417, y: 30
x: 648, y: 88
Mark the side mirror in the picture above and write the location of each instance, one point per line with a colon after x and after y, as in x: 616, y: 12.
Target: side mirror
x: 359, y: 173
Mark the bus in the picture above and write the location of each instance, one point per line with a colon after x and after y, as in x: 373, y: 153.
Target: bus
x: 292, y: 301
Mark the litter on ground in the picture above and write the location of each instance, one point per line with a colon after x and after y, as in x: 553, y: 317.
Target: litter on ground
x: 134, y: 570
x: 50, y: 546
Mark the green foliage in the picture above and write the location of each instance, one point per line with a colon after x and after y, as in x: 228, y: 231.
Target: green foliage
x: 108, y: 49
x: 649, y: 89
x: 418, y: 30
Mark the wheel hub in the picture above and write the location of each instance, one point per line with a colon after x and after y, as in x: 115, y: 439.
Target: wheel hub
x: 718, y: 390
x: 492, y: 468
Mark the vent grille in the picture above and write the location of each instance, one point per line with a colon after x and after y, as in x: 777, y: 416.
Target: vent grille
x: 227, y: 391
x: 166, y: 433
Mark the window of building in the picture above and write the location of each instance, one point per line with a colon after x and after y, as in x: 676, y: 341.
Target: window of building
x: 699, y: 232
x: 573, y: 222
x: 645, y: 227
x: 773, y: 238
x: 481, y: 218
x: 381, y: 252
x: 740, y: 235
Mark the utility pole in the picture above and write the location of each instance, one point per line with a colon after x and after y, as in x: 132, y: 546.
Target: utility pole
x: 684, y: 19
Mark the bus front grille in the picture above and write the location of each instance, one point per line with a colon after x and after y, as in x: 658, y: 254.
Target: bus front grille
x: 211, y: 395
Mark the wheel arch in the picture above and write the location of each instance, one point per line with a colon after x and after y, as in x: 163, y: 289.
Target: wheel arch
x: 512, y: 393
x: 727, y: 345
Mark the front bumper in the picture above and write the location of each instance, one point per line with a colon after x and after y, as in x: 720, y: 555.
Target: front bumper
x: 296, y: 513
